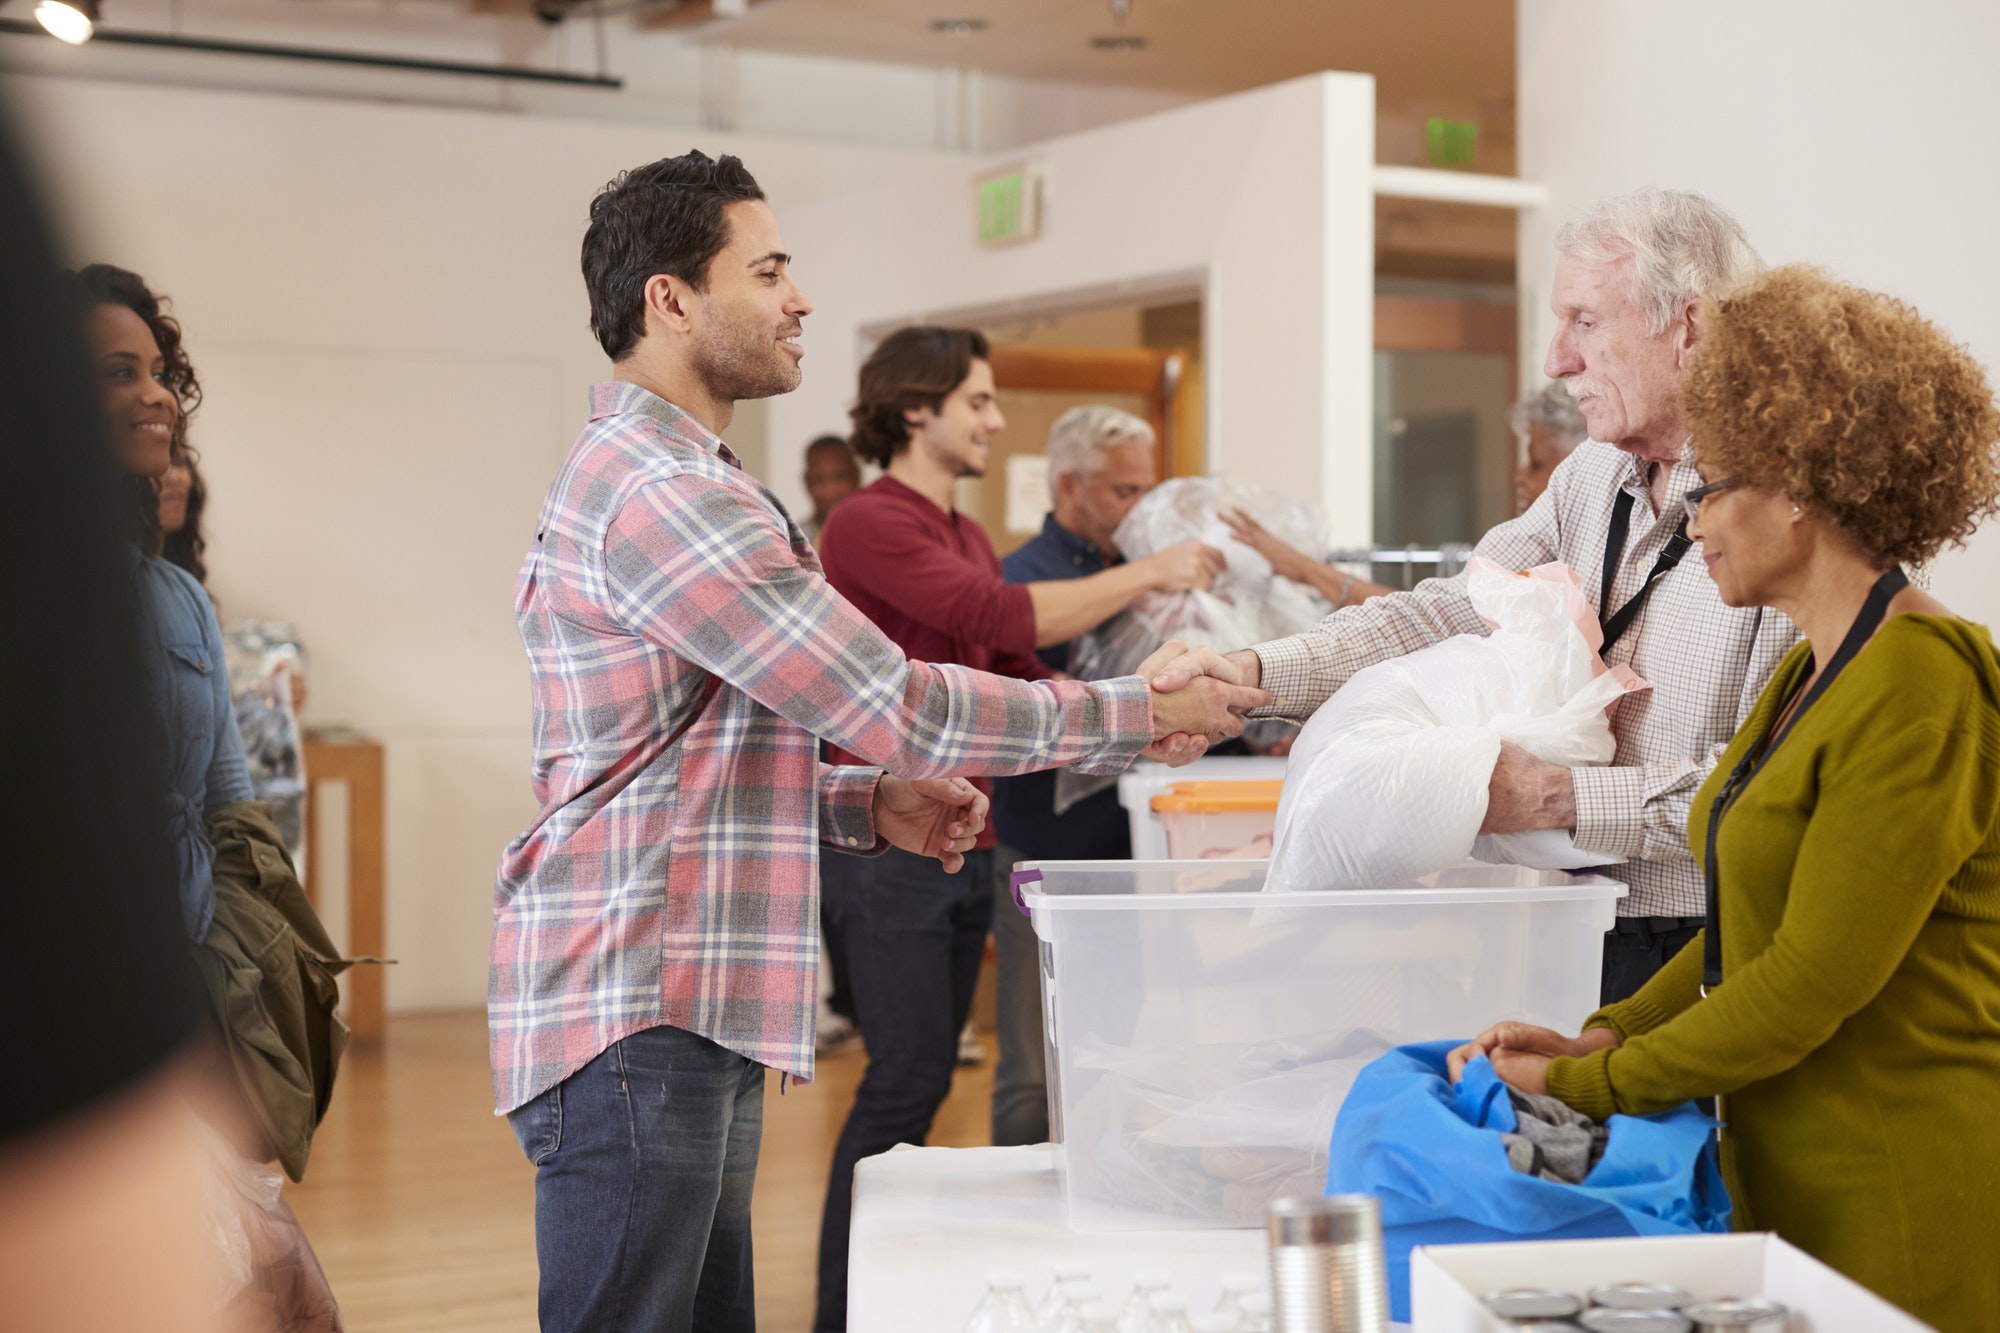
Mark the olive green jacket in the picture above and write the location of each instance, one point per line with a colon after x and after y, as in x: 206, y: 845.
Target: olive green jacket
x: 268, y: 968
x: 1855, y: 1037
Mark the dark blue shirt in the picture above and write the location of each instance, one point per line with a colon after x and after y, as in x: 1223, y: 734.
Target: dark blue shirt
x: 1057, y: 554
x: 1024, y: 808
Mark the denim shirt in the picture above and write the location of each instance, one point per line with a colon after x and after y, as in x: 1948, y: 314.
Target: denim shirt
x: 205, y: 768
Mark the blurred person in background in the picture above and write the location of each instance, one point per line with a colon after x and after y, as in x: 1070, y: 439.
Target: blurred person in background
x: 149, y: 389
x: 182, y: 496
x: 104, y: 1180
x: 1548, y: 427
x: 1843, y: 998
x: 1100, y: 463
x: 925, y: 572
x: 278, y: 1042
x: 1630, y: 278
x: 831, y: 476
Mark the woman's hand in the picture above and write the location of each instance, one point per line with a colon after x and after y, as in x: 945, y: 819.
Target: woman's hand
x: 1516, y: 1045
x: 938, y: 817
x: 1287, y: 561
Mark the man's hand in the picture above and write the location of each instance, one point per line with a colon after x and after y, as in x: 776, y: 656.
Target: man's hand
x: 1189, y: 566
x: 938, y: 817
x: 1526, y: 794
x: 1510, y: 1045
x: 1206, y: 708
x: 1169, y: 672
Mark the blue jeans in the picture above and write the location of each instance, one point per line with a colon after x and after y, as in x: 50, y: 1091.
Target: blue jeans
x: 644, y: 1163
x: 914, y: 938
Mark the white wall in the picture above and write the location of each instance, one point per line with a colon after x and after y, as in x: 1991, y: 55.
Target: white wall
x: 1846, y: 133
x: 1261, y: 203
x: 384, y: 308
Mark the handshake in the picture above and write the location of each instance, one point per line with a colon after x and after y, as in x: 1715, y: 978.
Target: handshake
x: 1199, y: 698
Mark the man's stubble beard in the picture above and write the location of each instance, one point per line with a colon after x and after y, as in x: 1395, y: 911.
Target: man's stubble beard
x: 742, y: 361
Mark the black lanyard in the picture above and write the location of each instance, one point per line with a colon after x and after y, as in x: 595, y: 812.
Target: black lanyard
x: 1865, y: 624
x: 1614, y: 551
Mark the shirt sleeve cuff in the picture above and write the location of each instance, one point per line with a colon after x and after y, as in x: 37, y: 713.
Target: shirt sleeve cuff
x: 1126, y: 723
x: 1628, y: 1018
x: 1611, y: 810
x: 1287, y: 669
x: 847, y: 808
x: 1583, y: 1083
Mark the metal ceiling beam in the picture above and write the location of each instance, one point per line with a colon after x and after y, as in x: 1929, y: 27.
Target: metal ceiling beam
x: 367, y: 60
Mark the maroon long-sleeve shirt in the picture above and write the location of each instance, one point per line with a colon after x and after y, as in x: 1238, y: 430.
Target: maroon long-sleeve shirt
x: 931, y: 582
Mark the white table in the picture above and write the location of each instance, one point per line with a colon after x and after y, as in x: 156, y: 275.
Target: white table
x: 930, y: 1222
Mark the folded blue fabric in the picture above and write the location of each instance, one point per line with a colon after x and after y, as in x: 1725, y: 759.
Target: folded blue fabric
x: 1431, y: 1151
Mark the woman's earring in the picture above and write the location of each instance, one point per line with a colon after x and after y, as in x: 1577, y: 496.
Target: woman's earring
x: 1795, y: 511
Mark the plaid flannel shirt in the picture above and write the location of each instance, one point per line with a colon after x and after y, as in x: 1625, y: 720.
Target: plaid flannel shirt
x: 685, y: 652
x: 1707, y: 663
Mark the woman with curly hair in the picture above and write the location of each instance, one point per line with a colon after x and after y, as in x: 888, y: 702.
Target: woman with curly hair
x: 1844, y: 1002
x: 183, y: 494
x: 149, y: 390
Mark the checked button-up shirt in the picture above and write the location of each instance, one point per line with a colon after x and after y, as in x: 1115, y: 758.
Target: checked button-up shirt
x: 685, y: 652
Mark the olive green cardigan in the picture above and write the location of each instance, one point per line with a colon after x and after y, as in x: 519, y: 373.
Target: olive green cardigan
x: 1855, y: 1038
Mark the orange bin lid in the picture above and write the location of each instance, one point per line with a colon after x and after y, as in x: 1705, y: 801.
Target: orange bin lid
x: 1211, y: 798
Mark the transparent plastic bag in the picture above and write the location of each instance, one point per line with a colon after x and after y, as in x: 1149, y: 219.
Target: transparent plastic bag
x: 274, y: 1280
x: 1214, y: 1131
x: 1388, y: 781
x: 1245, y: 605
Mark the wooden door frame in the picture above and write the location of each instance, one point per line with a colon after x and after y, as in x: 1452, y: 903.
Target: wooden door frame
x: 1157, y: 375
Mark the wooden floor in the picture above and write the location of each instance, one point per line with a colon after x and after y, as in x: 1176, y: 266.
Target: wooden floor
x: 421, y: 1207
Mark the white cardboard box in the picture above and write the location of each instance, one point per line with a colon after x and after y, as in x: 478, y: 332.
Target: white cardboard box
x: 1446, y: 1280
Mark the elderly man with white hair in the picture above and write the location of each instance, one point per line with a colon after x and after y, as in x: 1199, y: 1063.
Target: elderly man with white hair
x: 1630, y: 279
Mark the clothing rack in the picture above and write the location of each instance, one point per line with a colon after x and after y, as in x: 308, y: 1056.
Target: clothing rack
x: 1449, y: 557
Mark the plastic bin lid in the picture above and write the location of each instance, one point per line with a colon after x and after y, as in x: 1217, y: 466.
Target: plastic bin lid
x: 1211, y: 798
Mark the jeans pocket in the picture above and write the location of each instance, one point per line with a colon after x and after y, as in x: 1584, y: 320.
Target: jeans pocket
x: 537, y: 1125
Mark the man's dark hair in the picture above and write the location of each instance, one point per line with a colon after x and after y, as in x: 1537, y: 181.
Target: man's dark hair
x: 664, y: 217
x: 825, y: 444
x: 912, y: 368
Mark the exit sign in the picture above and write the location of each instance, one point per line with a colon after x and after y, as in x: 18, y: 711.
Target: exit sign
x: 1450, y: 143
x: 1009, y: 206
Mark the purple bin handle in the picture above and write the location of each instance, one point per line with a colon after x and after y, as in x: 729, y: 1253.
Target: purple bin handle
x: 1016, y: 879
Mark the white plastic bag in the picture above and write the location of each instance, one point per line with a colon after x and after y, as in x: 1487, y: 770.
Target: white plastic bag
x: 1388, y: 781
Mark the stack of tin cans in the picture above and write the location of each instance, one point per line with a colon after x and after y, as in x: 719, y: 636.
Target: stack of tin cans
x: 1635, y: 1307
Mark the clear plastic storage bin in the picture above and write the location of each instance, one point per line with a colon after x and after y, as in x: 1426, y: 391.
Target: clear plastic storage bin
x: 1219, y: 821
x: 1139, y: 784
x: 1202, y: 1033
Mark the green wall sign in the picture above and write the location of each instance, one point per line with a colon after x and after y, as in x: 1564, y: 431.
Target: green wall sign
x: 1010, y: 206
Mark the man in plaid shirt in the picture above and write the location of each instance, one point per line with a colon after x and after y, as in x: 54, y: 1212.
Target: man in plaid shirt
x: 1627, y: 293
x: 656, y: 928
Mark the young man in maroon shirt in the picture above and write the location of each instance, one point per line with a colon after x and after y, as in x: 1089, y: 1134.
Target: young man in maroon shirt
x: 927, y: 575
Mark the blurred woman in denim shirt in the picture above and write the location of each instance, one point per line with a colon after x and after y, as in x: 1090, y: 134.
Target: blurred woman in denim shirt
x: 149, y: 388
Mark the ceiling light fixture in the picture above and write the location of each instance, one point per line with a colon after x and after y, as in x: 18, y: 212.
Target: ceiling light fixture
x: 72, y: 21
x: 1123, y: 41
x: 959, y: 27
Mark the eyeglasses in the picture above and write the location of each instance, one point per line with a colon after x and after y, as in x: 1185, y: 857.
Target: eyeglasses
x: 1692, y: 500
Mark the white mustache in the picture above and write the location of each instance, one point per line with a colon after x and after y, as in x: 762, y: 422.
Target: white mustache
x: 1579, y: 387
